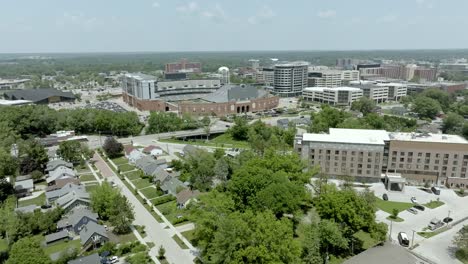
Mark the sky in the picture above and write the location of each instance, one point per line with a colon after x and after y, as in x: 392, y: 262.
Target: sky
x: 35, y: 26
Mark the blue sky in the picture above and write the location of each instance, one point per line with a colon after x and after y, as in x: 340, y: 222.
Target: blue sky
x: 219, y: 25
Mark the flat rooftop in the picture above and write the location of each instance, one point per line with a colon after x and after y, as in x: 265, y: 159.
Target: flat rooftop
x: 141, y: 76
x: 428, y: 137
x: 321, y: 89
x: 14, y: 102
x: 350, y: 136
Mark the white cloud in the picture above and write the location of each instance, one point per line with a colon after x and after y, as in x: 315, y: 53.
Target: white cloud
x: 217, y: 14
x: 387, y: 18
x: 265, y: 13
x: 188, y: 8
x: 155, y: 4
x: 327, y: 14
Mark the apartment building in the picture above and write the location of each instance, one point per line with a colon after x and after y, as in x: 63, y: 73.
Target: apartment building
x: 366, y: 154
x: 339, y: 96
x: 290, y: 78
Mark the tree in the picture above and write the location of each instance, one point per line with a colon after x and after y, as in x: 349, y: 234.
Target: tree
x: 8, y: 164
x: 102, y: 198
x: 36, y: 175
x: 240, y: 129
x: 461, y: 241
x: 331, y: 236
x: 160, y: 122
x: 70, y: 151
x: 453, y: 123
x: 27, y: 251
x: 440, y: 96
x: 363, y: 105
x: 465, y: 130
x: 6, y: 189
x: 426, y: 107
x: 206, y: 122
x: 327, y: 118
x: 161, y: 253
x: 395, y: 213
x: 219, y: 153
x: 112, y: 147
x: 121, y: 214
x: 201, y: 169
x: 221, y: 169
x: 33, y: 157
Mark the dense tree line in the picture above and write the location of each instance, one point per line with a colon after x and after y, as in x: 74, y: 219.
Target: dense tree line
x: 264, y: 214
x: 160, y: 122
x: 330, y: 117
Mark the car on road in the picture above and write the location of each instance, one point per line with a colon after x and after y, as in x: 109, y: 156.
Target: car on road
x: 385, y: 197
x: 447, y: 220
x: 413, y: 200
x: 403, y: 239
x: 413, y: 211
x: 419, y: 207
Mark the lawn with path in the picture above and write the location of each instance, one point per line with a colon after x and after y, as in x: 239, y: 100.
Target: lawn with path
x: 120, y: 161
x: 90, y: 187
x: 125, y: 167
x: 388, y: 206
x: 141, y: 183
x: 151, y: 192
x: 133, y: 175
x: 62, y: 246
x: 87, y: 177
x: 434, y: 204
x: 40, y: 200
x: 171, y: 212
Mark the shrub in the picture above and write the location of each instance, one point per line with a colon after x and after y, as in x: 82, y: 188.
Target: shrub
x: 163, y: 199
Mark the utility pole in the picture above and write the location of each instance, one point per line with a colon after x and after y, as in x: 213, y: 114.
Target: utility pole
x: 390, y: 234
x: 412, y: 240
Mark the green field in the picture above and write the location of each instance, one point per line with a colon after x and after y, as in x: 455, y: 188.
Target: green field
x: 61, y: 246
x: 120, y: 160
x: 40, y: 200
x: 431, y: 234
x: 141, y: 183
x: 151, y: 192
x: 171, y: 212
x: 126, y: 167
x: 87, y: 177
x: 133, y: 175
x: 434, y: 204
x: 388, y: 206
x: 91, y: 187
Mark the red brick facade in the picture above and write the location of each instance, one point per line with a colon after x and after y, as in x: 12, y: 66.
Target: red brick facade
x: 218, y: 109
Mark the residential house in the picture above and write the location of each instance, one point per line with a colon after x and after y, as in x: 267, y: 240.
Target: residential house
x: 24, y: 188
x: 60, y: 183
x: 77, y: 218
x: 93, y: 235
x: 53, y: 164
x: 67, y: 188
x: 172, y: 185
x: 135, y: 155
x: 160, y: 175
x: 74, y: 199
x: 144, y: 161
x: 153, y: 150
x: 185, y: 196
x: 59, y: 173
x: 128, y: 149
x: 91, y: 259
x: 386, y: 254
x: 58, y: 236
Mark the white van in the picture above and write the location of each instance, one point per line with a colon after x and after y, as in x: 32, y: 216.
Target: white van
x: 403, y: 239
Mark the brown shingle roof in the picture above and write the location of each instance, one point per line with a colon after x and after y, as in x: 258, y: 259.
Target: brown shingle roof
x: 185, y: 195
x: 62, y: 182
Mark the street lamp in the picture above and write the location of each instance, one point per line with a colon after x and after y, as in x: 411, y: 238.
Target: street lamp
x: 412, y: 240
x: 390, y: 234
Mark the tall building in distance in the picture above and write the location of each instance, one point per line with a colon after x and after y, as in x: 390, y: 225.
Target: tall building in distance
x: 324, y: 78
x: 269, y: 76
x: 225, y: 75
x: 255, y: 64
x: 183, y: 66
x: 290, y: 78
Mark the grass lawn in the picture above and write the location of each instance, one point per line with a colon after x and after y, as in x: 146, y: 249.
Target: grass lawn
x: 130, y: 237
x: 89, y: 188
x: 141, y: 183
x: 179, y: 242
x: 151, y: 192
x: 3, y: 245
x: 61, y: 246
x: 367, y: 240
x: 189, y: 235
x: 40, y: 200
x: 120, y: 161
x: 133, y: 175
x: 398, y: 219
x: 461, y: 256
x: 434, y: 204
x: 170, y: 211
x: 125, y: 167
x: 388, y: 206
x: 431, y: 234
x: 87, y: 177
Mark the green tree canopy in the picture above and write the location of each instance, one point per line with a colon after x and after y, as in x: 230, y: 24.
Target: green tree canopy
x: 27, y: 251
x: 363, y: 105
x: 453, y: 124
x: 426, y: 107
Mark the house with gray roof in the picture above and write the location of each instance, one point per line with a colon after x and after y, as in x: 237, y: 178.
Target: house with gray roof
x: 73, y: 199
x: 60, y: 173
x: 135, y: 155
x: 144, y: 161
x: 24, y: 188
x: 172, y: 185
x: 53, y: 164
x: 76, y: 219
x: 93, y: 235
x: 160, y: 175
x: 60, y: 183
x: 70, y: 187
x: 185, y: 196
x: 57, y: 236
x: 386, y: 254
x: 91, y: 259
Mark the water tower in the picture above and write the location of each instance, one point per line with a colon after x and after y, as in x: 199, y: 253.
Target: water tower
x: 224, y: 72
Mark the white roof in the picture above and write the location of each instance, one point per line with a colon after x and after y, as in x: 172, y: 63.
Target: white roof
x: 393, y: 84
x: 351, y: 136
x: 428, y: 137
x: 14, y: 102
x: 321, y: 89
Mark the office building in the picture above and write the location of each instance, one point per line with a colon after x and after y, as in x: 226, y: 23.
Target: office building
x: 269, y: 76
x: 324, y: 78
x: 339, y: 96
x: 370, y: 90
x: 367, y: 154
x: 425, y: 74
x: 395, y: 90
x: 290, y: 78
x: 183, y: 66
x: 350, y: 75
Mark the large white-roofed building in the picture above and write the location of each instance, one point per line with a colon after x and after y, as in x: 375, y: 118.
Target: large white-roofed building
x: 339, y: 96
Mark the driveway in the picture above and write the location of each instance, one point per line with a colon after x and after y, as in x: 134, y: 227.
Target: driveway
x: 154, y: 230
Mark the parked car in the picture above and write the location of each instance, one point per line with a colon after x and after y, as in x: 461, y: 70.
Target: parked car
x: 114, y: 259
x: 385, y: 197
x: 413, y: 200
x: 403, y: 239
x: 435, y: 190
x: 46, y: 206
x: 435, y: 223
x: 447, y: 220
x: 419, y: 207
x: 413, y: 211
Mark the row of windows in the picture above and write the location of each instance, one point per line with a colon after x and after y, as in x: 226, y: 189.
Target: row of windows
x: 428, y: 155
x: 344, y: 152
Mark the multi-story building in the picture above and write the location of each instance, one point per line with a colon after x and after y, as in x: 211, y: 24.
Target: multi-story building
x: 139, y: 85
x: 339, y: 96
x: 184, y: 66
x: 350, y: 75
x: 269, y: 76
x: 370, y: 90
x: 393, y: 71
x: 367, y: 154
x: 395, y: 90
x: 425, y: 74
x: 290, y: 78
x: 324, y: 78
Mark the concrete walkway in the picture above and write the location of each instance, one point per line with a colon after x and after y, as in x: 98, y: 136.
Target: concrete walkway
x: 32, y: 196
x: 154, y: 230
x: 186, y: 227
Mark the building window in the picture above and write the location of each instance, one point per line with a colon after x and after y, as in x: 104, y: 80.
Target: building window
x: 402, y: 153
x: 455, y: 162
x: 428, y: 155
x: 455, y: 156
x: 426, y: 167
x: 337, y: 152
x: 410, y: 154
x: 446, y: 156
x: 436, y: 167
x: 419, y: 154
x: 394, y: 153
x: 402, y: 159
x: 410, y: 160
